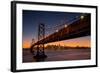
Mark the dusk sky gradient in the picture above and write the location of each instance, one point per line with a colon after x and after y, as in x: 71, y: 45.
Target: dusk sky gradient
x: 31, y: 19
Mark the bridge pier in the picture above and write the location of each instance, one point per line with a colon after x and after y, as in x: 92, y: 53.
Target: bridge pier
x: 40, y: 47
x: 40, y: 53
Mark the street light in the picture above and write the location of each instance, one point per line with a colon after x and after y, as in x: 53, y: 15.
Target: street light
x: 65, y: 26
x: 56, y: 30
x: 82, y: 17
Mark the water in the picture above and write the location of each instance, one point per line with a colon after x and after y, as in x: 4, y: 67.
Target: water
x: 59, y: 55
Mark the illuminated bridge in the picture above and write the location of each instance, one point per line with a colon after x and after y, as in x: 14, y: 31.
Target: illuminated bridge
x: 78, y: 27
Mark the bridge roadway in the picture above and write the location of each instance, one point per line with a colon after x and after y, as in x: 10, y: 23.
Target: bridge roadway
x: 79, y: 28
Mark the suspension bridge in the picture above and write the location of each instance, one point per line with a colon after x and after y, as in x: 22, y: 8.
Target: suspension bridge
x: 77, y: 27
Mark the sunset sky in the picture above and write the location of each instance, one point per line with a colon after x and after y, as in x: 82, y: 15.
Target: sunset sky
x: 31, y: 19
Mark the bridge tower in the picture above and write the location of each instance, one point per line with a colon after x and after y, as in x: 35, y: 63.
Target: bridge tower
x: 40, y: 47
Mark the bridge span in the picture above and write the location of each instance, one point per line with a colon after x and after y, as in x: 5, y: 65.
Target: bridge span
x: 76, y: 29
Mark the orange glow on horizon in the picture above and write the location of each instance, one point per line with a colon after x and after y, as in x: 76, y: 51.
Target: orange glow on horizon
x: 71, y: 43
x: 26, y: 44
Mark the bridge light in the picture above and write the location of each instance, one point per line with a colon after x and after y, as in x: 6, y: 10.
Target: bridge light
x: 65, y: 26
x: 82, y: 17
x: 56, y: 30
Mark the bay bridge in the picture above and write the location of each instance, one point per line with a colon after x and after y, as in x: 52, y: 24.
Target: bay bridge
x: 77, y: 27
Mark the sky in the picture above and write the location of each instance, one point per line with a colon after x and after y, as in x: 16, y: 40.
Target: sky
x: 31, y: 19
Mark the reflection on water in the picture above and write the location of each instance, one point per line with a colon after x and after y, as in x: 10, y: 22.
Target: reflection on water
x: 59, y: 55
x: 39, y: 60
